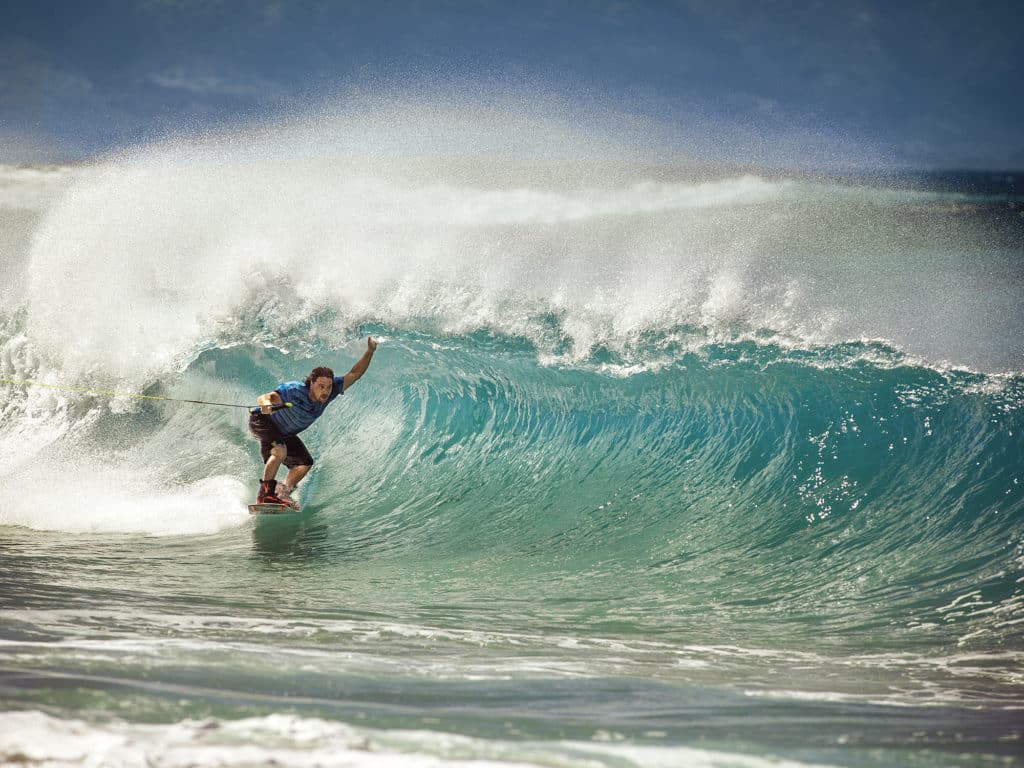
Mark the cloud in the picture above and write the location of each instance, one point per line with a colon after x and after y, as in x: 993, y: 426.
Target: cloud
x: 208, y: 84
x: 39, y: 103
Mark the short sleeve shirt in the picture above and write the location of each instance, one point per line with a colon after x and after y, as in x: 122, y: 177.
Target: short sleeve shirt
x: 304, y: 411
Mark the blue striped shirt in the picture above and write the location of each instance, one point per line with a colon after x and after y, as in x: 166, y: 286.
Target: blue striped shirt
x: 304, y: 411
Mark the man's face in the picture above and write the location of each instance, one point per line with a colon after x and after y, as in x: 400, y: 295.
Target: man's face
x: 320, y: 389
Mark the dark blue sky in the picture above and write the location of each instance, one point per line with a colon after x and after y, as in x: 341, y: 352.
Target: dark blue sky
x: 829, y: 84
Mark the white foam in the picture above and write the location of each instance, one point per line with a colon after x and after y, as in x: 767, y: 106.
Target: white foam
x: 100, y: 499
x: 130, y: 289
x: 295, y: 741
x: 465, y: 219
x: 476, y: 210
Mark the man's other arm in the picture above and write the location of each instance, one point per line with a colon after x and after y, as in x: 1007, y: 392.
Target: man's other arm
x: 361, y: 365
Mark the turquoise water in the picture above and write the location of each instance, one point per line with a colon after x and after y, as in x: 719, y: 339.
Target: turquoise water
x: 621, y: 487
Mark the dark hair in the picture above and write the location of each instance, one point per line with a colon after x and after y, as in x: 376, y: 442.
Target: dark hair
x: 318, y: 372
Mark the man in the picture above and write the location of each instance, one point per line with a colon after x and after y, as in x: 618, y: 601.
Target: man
x: 277, y: 430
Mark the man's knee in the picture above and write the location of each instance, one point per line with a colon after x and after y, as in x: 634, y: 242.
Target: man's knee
x: 279, y: 452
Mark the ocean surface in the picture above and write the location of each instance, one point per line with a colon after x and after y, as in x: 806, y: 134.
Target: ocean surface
x: 652, y: 467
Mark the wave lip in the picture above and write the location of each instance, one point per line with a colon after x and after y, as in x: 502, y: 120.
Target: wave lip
x: 147, y: 256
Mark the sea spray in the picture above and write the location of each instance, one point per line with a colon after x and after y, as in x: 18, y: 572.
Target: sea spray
x: 150, y: 255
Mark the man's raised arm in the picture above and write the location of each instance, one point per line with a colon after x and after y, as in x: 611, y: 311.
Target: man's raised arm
x: 361, y: 365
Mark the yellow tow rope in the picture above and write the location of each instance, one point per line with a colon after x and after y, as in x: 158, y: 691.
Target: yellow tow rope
x: 131, y: 394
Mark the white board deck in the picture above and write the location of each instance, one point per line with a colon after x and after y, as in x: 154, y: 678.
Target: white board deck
x: 271, y: 509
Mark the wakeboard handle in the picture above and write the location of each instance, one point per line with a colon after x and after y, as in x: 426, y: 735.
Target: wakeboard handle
x: 274, y: 407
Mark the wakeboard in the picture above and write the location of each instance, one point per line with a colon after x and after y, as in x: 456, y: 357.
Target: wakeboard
x: 271, y: 509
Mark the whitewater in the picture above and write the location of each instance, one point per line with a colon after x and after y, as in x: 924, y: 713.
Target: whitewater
x: 655, y: 465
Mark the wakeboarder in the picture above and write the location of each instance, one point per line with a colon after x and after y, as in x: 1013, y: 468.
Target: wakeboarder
x: 277, y: 429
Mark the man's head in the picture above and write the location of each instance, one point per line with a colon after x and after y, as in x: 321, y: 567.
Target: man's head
x: 319, y: 382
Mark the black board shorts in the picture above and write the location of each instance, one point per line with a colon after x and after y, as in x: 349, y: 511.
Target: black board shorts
x: 265, y: 430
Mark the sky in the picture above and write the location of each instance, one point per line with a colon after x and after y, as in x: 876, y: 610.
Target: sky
x: 857, y: 84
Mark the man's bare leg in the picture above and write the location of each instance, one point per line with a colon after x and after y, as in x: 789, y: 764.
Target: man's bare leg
x: 277, y: 456
x: 295, y: 474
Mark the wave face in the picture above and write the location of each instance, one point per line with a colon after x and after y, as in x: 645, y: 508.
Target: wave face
x: 825, y: 480
x: 776, y: 416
